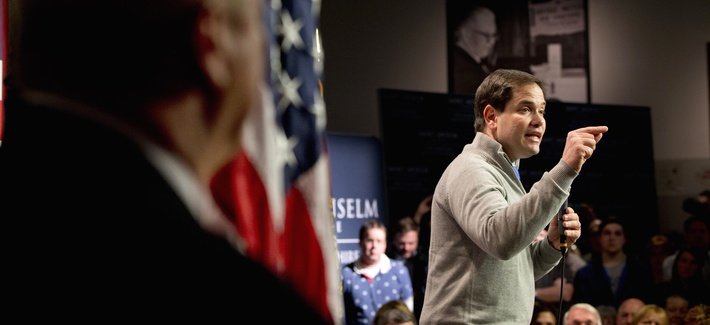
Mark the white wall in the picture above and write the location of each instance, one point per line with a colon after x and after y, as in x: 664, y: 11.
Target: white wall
x: 372, y: 44
x: 652, y: 53
x: 646, y: 53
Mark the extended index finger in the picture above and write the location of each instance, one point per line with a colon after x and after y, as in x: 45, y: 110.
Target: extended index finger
x: 594, y: 129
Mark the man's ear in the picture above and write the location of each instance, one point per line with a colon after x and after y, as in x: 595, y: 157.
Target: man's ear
x: 490, y: 114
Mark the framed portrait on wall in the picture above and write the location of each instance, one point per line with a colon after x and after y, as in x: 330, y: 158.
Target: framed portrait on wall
x: 548, y: 38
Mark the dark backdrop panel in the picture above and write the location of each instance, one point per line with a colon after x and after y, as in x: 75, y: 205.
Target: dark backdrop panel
x: 620, y: 177
x: 423, y: 132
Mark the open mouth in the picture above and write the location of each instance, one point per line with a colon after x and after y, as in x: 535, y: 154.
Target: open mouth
x: 535, y: 136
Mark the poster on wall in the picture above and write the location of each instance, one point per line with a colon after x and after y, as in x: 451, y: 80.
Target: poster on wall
x: 357, y: 181
x: 546, y: 38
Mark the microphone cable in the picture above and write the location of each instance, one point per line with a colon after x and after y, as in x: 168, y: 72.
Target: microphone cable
x: 563, y: 250
x: 562, y: 285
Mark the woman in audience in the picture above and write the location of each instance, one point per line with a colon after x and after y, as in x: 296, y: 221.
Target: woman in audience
x: 650, y: 315
x: 544, y: 314
x: 698, y: 315
x: 395, y: 312
x: 686, y: 278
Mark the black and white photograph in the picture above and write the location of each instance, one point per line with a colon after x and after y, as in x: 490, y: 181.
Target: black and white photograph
x: 546, y: 38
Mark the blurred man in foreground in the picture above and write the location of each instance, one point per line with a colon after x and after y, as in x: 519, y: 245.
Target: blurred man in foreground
x: 118, y: 115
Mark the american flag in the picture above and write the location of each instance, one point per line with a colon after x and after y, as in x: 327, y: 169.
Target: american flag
x: 278, y: 188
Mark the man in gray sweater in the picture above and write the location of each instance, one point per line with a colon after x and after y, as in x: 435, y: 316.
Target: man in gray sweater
x: 482, y: 260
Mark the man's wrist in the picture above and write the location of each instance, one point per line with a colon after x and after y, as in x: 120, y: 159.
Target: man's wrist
x: 553, y: 245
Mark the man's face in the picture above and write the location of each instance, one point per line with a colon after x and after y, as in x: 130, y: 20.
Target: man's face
x: 612, y: 238
x: 627, y: 310
x: 237, y: 66
x: 482, y: 34
x: 579, y: 316
x: 373, y: 246
x: 697, y: 235
x: 406, y: 243
x: 520, y: 127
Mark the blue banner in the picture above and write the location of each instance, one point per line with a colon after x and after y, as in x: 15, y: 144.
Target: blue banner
x: 357, y: 180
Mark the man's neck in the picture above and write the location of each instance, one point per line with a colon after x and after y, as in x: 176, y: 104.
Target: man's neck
x: 613, y: 258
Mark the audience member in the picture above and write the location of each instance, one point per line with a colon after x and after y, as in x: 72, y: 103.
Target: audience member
x: 676, y: 307
x: 544, y: 314
x: 612, y: 275
x: 394, y: 312
x: 696, y: 234
x: 650, y: 314
x: 423, y: 208
x: 627, y: 310
x: 698, y: 315
x: 482, y: 259
x: 582, y: 314
x: 698, y: 206
x: 587, y: 217
x: 593, y: 232
x: 405, y: 248
x: 474, y: 53
x: 423, y: 218
x: 608, y: 314
x: 686, y: 278
x: 405, y: 240
x: 373, y: 279
x: 118, y: 114
x: 658, y: 248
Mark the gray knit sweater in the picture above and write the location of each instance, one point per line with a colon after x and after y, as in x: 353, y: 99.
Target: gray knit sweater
x: 482, y: 265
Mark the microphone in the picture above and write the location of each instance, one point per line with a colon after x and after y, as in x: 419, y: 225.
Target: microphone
x: 561, y: 229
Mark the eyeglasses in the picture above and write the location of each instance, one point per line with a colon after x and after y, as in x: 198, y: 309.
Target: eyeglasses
x: 488, y: 36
